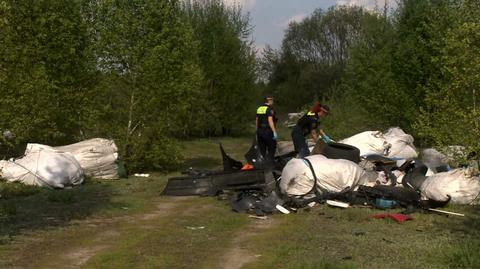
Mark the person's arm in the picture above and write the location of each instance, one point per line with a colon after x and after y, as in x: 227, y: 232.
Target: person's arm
x: 325, y: 137
x: 314, y: 135
x: 272, y: 125
x: 256, y: 122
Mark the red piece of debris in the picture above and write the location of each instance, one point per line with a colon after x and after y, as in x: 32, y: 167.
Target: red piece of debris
x: 247, y: 167
x: 397, y: 217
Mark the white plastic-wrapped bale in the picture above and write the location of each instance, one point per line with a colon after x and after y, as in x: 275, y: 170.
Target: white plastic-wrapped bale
x: 43, y: 166
x: 368, y: 142
x: 434, y: 160
x: 333, y: 175
x: 401, y: 144
x: 98, y: 157
x: 458, y: 184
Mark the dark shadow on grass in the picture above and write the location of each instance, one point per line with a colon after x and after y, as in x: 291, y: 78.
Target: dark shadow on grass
x: 469, y: 225
x: 465, y: 251
x: 48, y: 208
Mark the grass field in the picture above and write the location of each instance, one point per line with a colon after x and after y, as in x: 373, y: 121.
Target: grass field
x: 126, y: 224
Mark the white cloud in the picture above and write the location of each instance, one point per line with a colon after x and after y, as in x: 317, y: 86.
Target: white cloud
x: 246, y: 4
x: 368, y: 4
x: 295, y: 18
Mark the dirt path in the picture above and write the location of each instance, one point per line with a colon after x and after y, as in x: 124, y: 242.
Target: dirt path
x: 239, y: 254
x: 83, y: 239
x: 73, y: 246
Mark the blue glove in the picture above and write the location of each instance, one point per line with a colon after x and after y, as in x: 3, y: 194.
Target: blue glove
x: 275, y: 136
x: 327, y: 139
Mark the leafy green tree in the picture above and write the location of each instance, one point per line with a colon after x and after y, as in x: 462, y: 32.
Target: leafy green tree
x: 370, y: 79
x: 46, y: 70
x: 228, y: 63
x: 451, y: 113
x: 148, y: 58
x: 314, y: 54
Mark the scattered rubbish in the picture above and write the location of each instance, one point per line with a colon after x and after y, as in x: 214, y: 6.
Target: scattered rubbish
x: 371, y: 169
x: 357, y: 233
x: 446, y: 212
x: 388, y: 240
x: 337, y: 204
x: 384, y: 203
x: 258, y: 217
x: 125, y: 208
x: 141, y: 175
x: 195, y: 227
x: 282, y: 209
x: 399, y: 218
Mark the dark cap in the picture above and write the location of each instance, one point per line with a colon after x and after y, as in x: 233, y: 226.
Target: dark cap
x: 268, y: 96
x: 325, y: 108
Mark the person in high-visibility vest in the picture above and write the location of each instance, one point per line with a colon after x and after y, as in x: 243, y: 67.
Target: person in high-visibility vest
x: 266, y: 131
x: 308, y: 124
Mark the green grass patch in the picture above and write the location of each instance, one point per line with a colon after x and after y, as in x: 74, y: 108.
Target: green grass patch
x: 12, y: 190
x: 326, y: 237
x: 193, y: 239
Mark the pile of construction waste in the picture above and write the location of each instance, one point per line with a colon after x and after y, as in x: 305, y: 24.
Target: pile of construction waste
x: 380, y: 169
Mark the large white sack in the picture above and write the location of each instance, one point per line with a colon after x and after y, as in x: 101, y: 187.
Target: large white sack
x: 334, y: 175
x: 462, y: 188
x: 432, y: 158
x: 401, y: 144
x: 369, y: 142
x: 98, y: 157
x: 43, y: 167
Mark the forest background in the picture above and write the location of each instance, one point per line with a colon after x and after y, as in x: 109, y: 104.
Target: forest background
x: 150, y: 74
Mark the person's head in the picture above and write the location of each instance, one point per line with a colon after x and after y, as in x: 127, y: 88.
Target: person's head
x: 269, y: 99
x: 324, y: 110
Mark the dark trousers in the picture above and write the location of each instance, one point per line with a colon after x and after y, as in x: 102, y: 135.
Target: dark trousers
x: 266, y: 144
x: 299, y: 142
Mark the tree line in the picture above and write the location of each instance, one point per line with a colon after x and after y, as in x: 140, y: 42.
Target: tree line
x: 416, y: 67
x: 149, y: 73
x: 143, y: 72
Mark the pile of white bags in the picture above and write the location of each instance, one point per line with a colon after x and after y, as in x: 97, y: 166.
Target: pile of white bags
x: 401, y: 144
x: 43, y: 166
x: 333, y: 175
x: 98, y: 157
x: 458, y: 184
x: 369, y: 142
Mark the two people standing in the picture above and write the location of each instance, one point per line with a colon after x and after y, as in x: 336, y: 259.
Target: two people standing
x: 307, y: 125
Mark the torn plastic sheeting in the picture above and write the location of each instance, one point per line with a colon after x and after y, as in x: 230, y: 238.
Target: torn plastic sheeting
x: 401, y: 144
x: 211, y: 184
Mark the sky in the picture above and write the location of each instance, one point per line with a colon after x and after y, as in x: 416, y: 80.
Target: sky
x: 270, y: 18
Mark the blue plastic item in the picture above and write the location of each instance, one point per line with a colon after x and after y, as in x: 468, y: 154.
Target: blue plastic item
x: 384, y: 203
